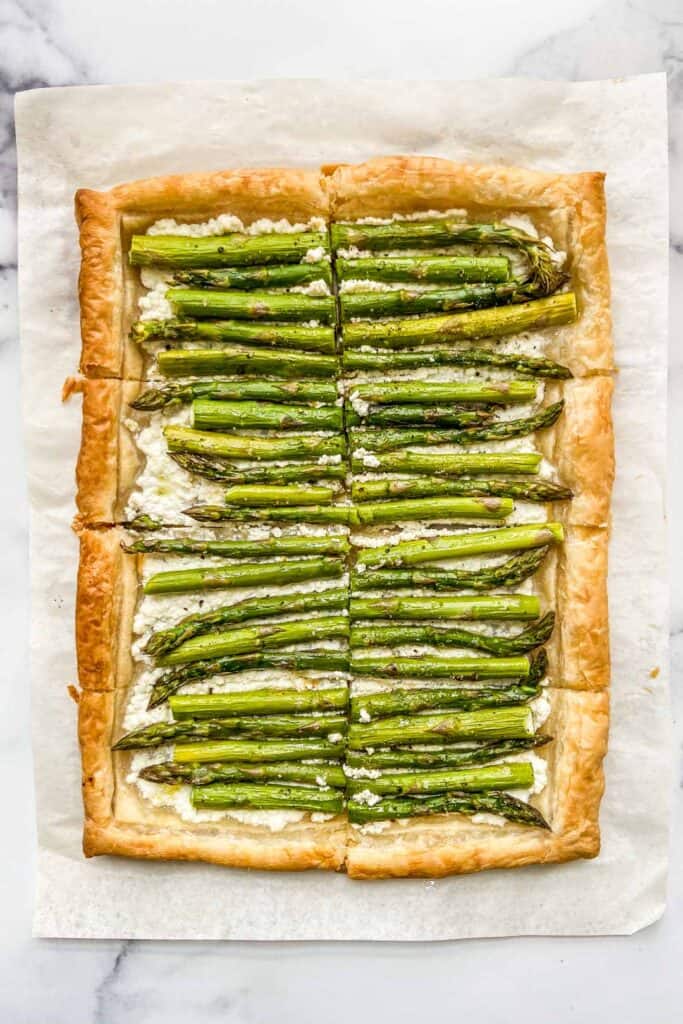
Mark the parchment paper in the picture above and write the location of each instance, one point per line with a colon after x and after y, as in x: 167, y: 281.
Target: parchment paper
x: 96, y: 137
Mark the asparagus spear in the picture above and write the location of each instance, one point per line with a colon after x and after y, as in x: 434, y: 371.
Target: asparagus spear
x: 258, y: 702
x: 449, y: 803
x: 191, y: 672
x: 220, y: 469
x: 462, y: 545
x: 295, y: 392
x: 281, y: 335
x: 255, y: 495
x: 246, y: 549
x: 510, y: 573
x: 433, y: 508
x: 407, y: 701
x: 517, y: 775
x: 408, y: 301
x: 425, y: 269
x: 358, y: 359
x: 446, y: 463
x: 267, y: 797
x: 243, y: 446
x: 422, y: 392
x: 441, y: 757
x: 453, y: 636
x: 251, y: 639
x: 422, y: 667
x: 544, y: 272
x: 325, y: 773
x: 343, y: 514
x: 276, y: 726
x: 479, y: 608
x: 166, y: 640
x: 207, y: 362
x: 283, y: 306
x: 538, y: 667
x: 256, y: 751
x: 515, y: 722
x: 287, y: 275
x: 424, y: 487
x: 495, y: 322
x: 387, y: 439
x: 233, y: 250
x: 451, y: 415
x: 143, y: 522
x: 245, y: 574
x: 208, y: 414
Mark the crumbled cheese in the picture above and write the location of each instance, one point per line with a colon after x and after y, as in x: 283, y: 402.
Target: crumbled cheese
x: 484, y: 818
x: 317, y: 287
x: 367, y: 797
x: 154, y: 305
x: 364, y: 716
x: 361, y: 773
x: 316, y: 255
x: 227, y: 223
x: 358, y: 405
x: 335, y: 737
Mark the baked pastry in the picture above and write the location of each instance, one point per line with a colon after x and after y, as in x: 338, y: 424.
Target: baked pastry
x: 343, y: 505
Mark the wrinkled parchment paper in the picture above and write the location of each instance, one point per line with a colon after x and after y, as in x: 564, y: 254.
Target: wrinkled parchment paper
x: 96, y: 137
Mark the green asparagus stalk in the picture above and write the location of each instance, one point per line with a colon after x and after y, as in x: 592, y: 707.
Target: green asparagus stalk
x: 287, y: 275
x: 510, y: 573
x: 441, y: 757
x: 220, y: 469
x: 479, y: 608
x: 495, y: 322
x: 538, y: 668
x: 358, y: 359
x: 258, y: 702
x: 166, y: 640
x: 343, y: 514
x: 422, y: 392
x: 256, y: 751
x: 544, y: 272
x: 263, y: 727
x: 208, y: 414
x: 408, y: 701
x: 451, y: 415
x: 233, y: 250
x: 209, y: 362
x: 453, y: 636
x: 295, y: 392
x: 255, y: 495
x: 463, y: 545
x: 191, y: 672
x: 424, y: 487
x: 515, y: 722
x: 424, y: 667
x: 243, y: 446
x: 449, y: 803
x: 433, y: 508
x: 516, y: 775
x: 446, y: 463
x: 269, y: 548
x: 251, y: 639
x: 245, y: 574
x: 325, y: 773
x: 387, y: 439
x: 409, y: 301
x: 283, y: 306
x: 302, y: 337
x: 425, y: 269
x: 267, y: 797
x: 143, y: 522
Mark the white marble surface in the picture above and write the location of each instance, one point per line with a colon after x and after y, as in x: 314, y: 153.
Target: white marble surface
x: 74, y: 42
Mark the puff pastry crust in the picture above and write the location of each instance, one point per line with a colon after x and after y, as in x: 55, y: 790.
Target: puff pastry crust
x: 571, y: 208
